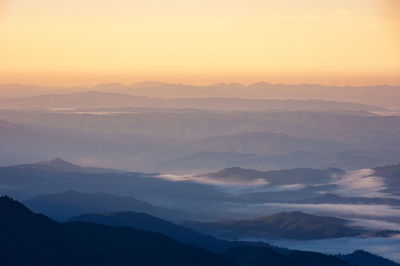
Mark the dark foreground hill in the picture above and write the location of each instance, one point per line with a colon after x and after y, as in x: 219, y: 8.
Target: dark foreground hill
x: 150, y: 223
x: 267, y: 256
x: 32, y: 239
x: 242, y: 252
x: 263, y: 256
x: 363, y: 258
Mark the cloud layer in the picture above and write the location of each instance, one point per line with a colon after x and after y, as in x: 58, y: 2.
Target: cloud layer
x: 361, y: 183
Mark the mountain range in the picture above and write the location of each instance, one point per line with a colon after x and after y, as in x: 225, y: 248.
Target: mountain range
x: 377, y: 95
x: 64, y: 205
x: 34, y: 239
x: 61, y: 190
x: 29, y: 180
x: 284, y: 225
x: 98, y: 99
x: 147, y: 222
x: 198, y: 141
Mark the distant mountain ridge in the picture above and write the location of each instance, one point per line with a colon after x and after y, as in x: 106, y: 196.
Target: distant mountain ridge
x: 265, y: 143
x: 335, y: 199
x: 61, y: 165
x: 99, y: 99
x: 375, y: 95
x: 164, y: 140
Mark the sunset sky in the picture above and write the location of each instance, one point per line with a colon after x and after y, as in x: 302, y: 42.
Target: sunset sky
x: 71, y: 42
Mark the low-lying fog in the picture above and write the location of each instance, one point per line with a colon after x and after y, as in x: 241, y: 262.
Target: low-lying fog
x: 385, y: 247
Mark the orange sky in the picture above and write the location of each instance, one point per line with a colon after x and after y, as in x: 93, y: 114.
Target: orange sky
x: 71, y: 42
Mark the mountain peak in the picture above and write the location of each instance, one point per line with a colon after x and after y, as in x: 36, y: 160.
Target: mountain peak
x: 260, y: 84
x: 60, y: 165
x: 286, y: 215
x: 56, y: 165
x: 235, y: 172
x: 58, y: 162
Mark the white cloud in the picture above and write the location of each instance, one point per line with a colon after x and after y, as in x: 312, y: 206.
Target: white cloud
x: 234, y: 186
x: 213, y: 181
x: 361, y: 183
x: 386, y: 247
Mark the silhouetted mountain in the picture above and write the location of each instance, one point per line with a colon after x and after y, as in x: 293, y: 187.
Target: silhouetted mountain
x: 293, y: 225
x: 30, y: 239
x: 363, y: 258
x: 62, y: 206
x: 150, y: 223
x: 265, y: 256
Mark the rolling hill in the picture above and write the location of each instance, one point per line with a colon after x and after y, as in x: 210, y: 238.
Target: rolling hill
x: 363, y: 258
x: 32, y: 239
x: 62, y: 206
x: 284, y: 225
x: 263, y: 256
x: 147, y: 222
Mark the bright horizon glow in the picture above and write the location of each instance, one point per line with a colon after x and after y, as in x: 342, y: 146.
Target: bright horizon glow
x: 65, y: 43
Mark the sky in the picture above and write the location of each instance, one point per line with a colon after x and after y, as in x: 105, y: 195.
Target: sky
x: 82, y: 42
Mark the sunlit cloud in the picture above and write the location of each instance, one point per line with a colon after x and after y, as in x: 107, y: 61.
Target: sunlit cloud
x: 214, y: 181
x: 361, y: 183
x: 234, y: 186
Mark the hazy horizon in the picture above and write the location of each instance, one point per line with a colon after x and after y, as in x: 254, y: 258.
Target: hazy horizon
x: 386, y: 96
x: 86, y: 42
x: 199, y: 84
